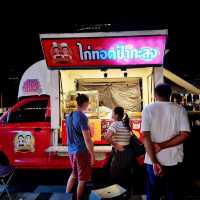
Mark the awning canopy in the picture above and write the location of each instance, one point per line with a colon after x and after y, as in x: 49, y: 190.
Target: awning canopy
x: 181, y: 82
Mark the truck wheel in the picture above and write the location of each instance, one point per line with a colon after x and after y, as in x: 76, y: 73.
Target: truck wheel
x: 3, y: 159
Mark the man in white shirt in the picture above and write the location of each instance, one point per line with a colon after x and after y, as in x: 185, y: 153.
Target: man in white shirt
x: 165, y: 126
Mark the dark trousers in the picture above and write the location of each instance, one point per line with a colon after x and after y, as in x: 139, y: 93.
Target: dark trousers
x: 121, y: 165
x: 168, y: 185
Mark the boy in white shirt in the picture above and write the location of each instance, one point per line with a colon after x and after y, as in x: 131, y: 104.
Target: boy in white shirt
x: 165, y: 127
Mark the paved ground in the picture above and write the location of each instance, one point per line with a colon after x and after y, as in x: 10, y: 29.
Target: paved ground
x: 50, y: 185
x: 56, y: 196
x: 63, y: 196
x: 43, y: 185
x: 48, y: 192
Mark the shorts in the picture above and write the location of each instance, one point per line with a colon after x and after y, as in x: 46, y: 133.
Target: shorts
x: 81, y: 167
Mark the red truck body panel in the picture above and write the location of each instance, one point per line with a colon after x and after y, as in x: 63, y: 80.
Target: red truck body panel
x: 40, y: 131
x: 36, y: 158
x: 25, y: 143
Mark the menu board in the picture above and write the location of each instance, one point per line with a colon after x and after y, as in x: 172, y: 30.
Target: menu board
x: 105, y: 124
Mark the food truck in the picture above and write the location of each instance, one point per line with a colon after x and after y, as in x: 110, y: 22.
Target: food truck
x: 112, y: 68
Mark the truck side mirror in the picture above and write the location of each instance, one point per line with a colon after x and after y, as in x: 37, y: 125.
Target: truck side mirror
x: 4, y: 119
x: 8, y: 116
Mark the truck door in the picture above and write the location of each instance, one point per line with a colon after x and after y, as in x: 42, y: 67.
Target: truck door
x: 30, y: 133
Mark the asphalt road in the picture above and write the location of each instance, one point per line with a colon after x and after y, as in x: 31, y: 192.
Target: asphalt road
x: 54, y: 181
x: 27, y: 183
x: 30, y: 181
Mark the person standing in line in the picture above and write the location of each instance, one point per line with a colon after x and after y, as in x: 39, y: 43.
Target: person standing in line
x: 118, y: 135
x: 165, y: 127
x: 80, y: 147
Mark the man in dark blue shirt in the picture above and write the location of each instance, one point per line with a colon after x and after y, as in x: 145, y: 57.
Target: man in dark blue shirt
x: 80, y: 146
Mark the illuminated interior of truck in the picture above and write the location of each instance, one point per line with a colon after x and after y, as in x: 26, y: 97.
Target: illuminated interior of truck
x: 107, y: 89
x: 112, y: 86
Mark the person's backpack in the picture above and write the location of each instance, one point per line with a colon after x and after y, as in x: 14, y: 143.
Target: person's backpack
x: 73, y: 129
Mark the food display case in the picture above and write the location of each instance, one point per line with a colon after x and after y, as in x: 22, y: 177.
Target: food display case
x: 93, y: 109
x: 92, y: 112
x: 99, y: 119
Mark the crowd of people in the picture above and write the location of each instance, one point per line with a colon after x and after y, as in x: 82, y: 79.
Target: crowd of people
x: 165, y: 127
x: 190, y: 102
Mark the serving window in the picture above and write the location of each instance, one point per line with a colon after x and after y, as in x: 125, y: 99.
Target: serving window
x: 125, y: 92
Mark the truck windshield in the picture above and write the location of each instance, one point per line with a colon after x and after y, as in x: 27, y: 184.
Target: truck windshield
x: 34, y: 111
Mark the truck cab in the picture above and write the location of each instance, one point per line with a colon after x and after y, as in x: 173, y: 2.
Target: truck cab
x: 25, y: 132
x: 26, y: 138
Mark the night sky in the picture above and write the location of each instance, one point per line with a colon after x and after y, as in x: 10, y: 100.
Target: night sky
x: 20, y: 28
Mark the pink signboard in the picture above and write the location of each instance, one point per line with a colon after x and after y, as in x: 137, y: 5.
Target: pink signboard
x: 100, y: 52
